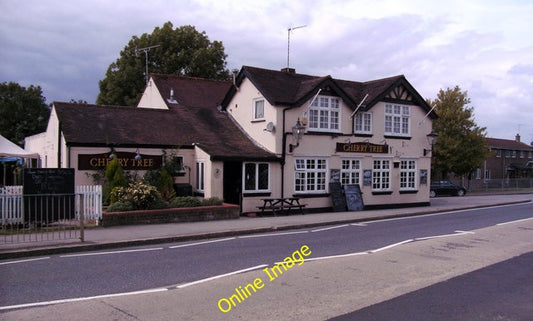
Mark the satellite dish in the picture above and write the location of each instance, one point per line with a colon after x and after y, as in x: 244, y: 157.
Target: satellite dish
x: 270, y: 127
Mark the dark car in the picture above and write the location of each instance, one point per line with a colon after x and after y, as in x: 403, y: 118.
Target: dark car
x: 445, y: 188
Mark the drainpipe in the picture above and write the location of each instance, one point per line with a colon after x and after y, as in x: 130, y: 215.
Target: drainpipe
x: 284, y: 152
x: 59, y: 145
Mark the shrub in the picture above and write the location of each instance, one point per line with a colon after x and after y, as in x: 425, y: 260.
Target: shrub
x: 139, y: 194
x: 212, y: 201
x: 158, y: 204
x: 185, y: 201
x: 120, y: 206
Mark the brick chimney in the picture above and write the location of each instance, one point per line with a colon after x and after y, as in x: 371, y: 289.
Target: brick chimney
x: 517, y: 138
x: 288, y: 70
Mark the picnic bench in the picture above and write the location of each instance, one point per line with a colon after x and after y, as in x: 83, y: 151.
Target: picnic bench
x: 281, y: 205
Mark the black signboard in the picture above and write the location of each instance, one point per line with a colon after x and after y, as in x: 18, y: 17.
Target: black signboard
x: 48, y: 194
x: 354, y: 200
x: 337, y: 197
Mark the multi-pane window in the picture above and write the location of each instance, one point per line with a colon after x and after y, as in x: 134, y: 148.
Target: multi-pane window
x: 350, y: 171
x: 256, y: 177
x: 363, y: 123
x: 259, y: 109
x: 381, y: 175
x: 310, y: 175
x: 397, y: 119
x: 324, y: 114
x: 200, y: 176
x: 408, y: 175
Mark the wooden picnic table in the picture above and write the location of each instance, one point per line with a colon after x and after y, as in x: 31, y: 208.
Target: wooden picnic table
x: 283, y: 205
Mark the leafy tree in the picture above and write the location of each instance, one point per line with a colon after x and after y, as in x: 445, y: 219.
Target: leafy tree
x: 182, y: 51
x: 461, y: 145
x: 115, y: 178
x: 23, y: 111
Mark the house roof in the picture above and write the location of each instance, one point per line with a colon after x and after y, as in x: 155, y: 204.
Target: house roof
x: 290, y: 89
x: 179, y: 127
x: 191, y: 91
x: 509, y: 144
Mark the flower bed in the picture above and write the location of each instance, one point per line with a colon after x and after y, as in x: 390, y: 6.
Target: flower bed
x: 172, y: 215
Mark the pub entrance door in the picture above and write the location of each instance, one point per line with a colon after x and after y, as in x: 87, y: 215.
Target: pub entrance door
x: 232, y: 182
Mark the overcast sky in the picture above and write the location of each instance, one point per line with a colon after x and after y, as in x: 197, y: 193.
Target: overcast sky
x: 483, y: 46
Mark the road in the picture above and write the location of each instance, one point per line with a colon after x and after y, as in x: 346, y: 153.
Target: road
x: 175, y: 266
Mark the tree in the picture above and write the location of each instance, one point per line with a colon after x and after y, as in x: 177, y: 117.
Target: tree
x: 23, y: 111
x: 461, y: 146
x: 181, y: 51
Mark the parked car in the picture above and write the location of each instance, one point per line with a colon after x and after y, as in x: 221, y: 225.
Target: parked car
x: 445, y: 188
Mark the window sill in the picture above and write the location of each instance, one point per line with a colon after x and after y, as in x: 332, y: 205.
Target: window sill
x: 398, y: 137
x: 256, y: 194
x: 258, y: 120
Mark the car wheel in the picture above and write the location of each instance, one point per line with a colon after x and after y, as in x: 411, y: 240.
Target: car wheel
x: 432, y: 194
x: 460, y: 193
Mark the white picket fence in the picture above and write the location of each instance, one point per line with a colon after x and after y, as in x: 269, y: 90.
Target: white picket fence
x: 11, y: 203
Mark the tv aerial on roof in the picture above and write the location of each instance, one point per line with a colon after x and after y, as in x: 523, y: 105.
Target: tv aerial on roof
x: 289, y: 40
x: 145, y: 50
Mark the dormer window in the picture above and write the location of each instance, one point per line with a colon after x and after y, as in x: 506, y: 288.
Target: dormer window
x: 325, y: 113
x: 397, y: 120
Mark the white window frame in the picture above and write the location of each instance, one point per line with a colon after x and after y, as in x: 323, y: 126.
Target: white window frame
x: 310, y: 175
x: 200, y: 176
x: 408, y: 174
x: 256, y: 104
x: 351, y: 171
x: 256, y: 188
x: 363, y: 123
x: 381, y: 175
x: 325, y: 114
x: 397, y: 120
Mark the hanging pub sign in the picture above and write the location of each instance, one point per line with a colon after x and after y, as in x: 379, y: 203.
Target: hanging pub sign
x: 362, y: 147
x: 127, y: 160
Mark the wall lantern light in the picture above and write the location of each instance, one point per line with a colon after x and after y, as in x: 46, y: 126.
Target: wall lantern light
x: 137, y: 155
x: 297, y: 132
x: 432, y: 140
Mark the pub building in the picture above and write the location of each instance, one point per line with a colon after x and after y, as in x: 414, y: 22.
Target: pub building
x: 266, y: 134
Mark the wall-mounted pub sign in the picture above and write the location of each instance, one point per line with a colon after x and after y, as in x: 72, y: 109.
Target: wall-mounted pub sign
x: 362, y: 147
x: 127, y: 161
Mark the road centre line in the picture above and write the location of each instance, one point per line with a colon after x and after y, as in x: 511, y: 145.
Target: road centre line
x: 36, y: 304
x: 443, y: 235
x: 358, y: 224
x: 390, y: 246
x: 516, y: 221
x: 219, y: 276
x: 113, y: 252
x: 329, y: 228
x: 23, y: 261
x: 200, y: 243
x: 273, y: 234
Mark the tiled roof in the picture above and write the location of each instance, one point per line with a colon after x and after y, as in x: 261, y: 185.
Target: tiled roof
x: 190, y: 91
x: 509, y: 144
x: 282, y: 88
x: 180, y: 126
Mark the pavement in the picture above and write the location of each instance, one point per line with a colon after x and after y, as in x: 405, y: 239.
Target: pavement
x: 98, y: 238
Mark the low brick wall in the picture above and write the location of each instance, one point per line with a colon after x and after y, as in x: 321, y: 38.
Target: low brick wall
x: 172, y: 215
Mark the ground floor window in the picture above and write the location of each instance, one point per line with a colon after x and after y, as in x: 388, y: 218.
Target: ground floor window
x: 310, y: 175
x: 381, y: 175
x: 350, y: 172
x: 200, y: 176
x: 256, y: 177
x: 408, y: 172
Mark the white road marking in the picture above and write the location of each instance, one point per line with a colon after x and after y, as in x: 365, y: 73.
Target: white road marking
x: 517, y: 221
x: 200, y: 243
x: 391, y: 246
x: 36, y: 304
x: 221, y: 276
x: 273, y: 234
x: 358, y: 224
x: 443, y: 235
x: 336, y: 256
x: 329, y: 228
x: 23, y: 261
x: 113, y: 252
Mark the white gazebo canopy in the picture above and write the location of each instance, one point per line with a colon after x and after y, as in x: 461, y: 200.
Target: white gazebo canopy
x: 9, y: 149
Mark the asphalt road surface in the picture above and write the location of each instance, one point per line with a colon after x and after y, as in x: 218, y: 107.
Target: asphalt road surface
x: 30, y: 283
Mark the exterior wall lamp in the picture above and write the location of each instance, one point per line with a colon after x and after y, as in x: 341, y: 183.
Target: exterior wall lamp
x: 297, y: 133
x: 137, y: 155
x: 432, y: 140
